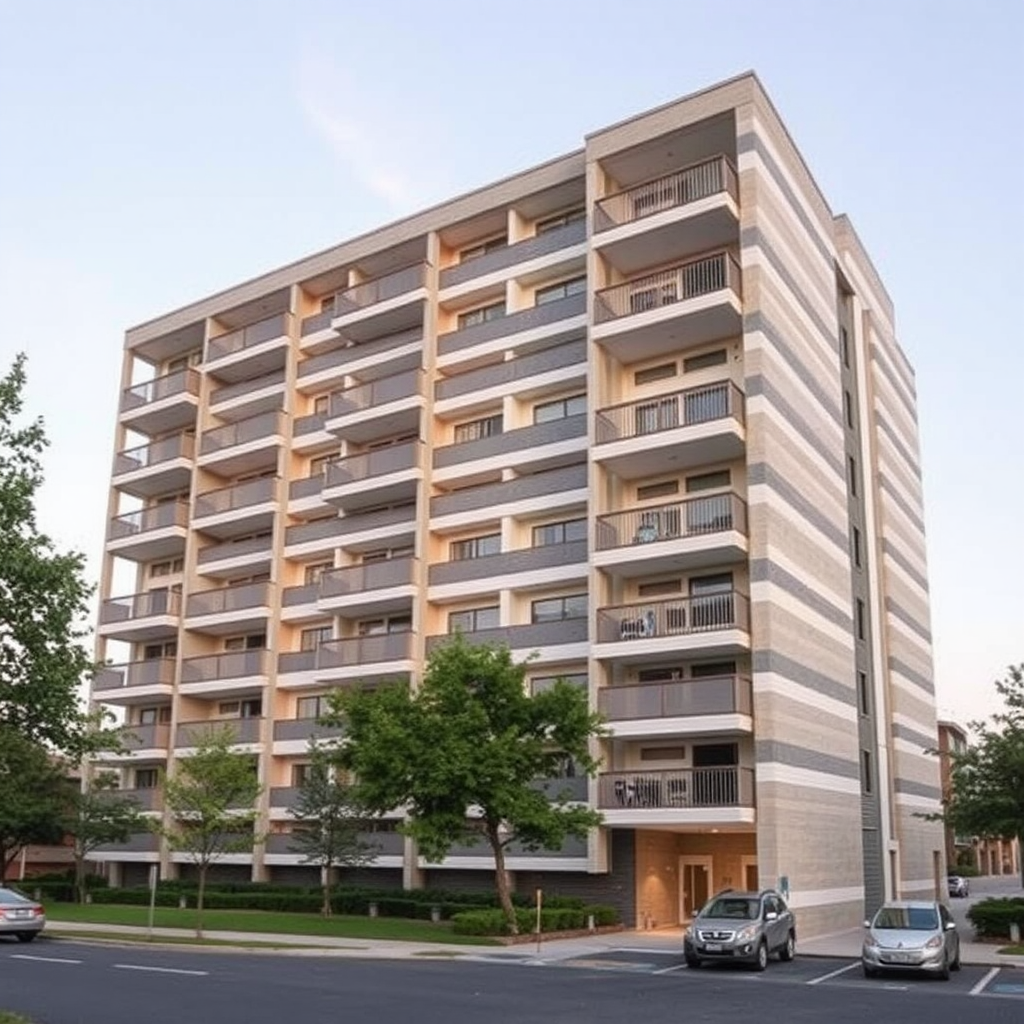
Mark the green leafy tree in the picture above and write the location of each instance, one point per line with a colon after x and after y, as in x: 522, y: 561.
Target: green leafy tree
x: 329, y: 824
x: 464, y: 752
x: 97, y: 814
x: 210, y: 803
x: 986, y: 793
x: 44, y: 599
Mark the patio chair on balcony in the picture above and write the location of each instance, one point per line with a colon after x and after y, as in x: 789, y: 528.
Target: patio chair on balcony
x: 635, y: 629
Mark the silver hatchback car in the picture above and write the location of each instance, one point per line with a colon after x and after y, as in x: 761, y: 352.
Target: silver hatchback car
x: 19, y: 916
x: 911, y: 935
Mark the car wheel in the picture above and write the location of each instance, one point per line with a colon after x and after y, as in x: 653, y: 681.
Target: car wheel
x: 944, y: 972
x: 788, y: 949
x: 761, y: 957
x: 955, y: 965
x: 693, y: 962
x: 26, y: 936
x: 869, y: 972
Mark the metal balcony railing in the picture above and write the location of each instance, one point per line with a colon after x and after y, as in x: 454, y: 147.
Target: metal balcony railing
x: 227, y: 499
x: 680, y: 788
x: 354, y: 579
x: 154, y: 517
x: 243, y: 730
x: 369, y: 293
x: 377, y: 392
x: 228, y: 665
x: 678, y: 616
x: 692, y: 517
x: 711, y: 695
x: 247, y: 387
x: 317, y: 322
x: 718, y: 401
x: 379, y: 462
x: 228, y: 599
x: 362, y: 650
x: 247, y: 337
x: 150, y: 672
x: 255, y: 428
x: 180, y: 446
x: 181, y: 382
x: 365, y: 350
x: 701, y: 276
x: 687, y: 185
x: 140, y: 606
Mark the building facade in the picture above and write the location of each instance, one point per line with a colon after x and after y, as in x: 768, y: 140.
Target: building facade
x: 639, y: 411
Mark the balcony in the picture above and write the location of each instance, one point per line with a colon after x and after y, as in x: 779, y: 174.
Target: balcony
x: 281, y: 848
x: 709, y: 623
x: 292, y: 735
x: 679, y: 535
x: 160, y: 467
x: 234, y: 559
x: 247, y: 446
x: 249, y: 397
x: 137, y: 682
x: 669, y: 433
x: 376, y: 588
x: 162, y: 405
x: 139, y: 618
x: 670, y: 311
x: 239, y: 609
x: 305, y: 496
x: 228, y: 672
x: 681, y: 795
x: 149, y: 534
x: 331, y: 367
x: 141, y: 743
x: 151, y: 799
x: 692, y: 706
x: 298, y: 604
x: 309, y: 433
x: 380, y: 654
x: 252, y: 351
x: 519, y: 570
x: 321, y: 536
x: 383, y: 306
x: 378, y: 408
x: 144, y: 846
x: 242, y: 731
x: 548, y: 321
x: 381, y: 476
x: 565, y: 640
x: 242, y: 508
x: 695, y: 209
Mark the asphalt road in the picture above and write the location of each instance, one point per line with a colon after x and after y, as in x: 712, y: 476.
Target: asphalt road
x: 64, y: 982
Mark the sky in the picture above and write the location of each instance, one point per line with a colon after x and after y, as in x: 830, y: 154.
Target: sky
x: 154, y: 153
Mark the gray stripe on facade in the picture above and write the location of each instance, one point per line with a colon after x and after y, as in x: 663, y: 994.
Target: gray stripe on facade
x: 909, y: 403
x: 762, y: 473
x: 750, y: 142
x: 755, y: 236
x: 901, y: 613
x: 900, y: 501
x: 906, y: 733
x: 764, y: 569
x: 912, y: 788
x: 911, y: 675
x: 758, y: 384
x: 768, y: 660
x: 904, y: 563
x: 897, y: 442
x: 803, y: 757
x: 893, y: 352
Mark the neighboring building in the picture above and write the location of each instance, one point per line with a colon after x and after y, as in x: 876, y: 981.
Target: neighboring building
x: 987, y: 856
x: 640, y: 410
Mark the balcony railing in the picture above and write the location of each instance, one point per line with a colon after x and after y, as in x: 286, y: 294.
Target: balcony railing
x: 228, y: 499
x: 385, y: 844
x: 717, y: 695
x: 366, y: 350
x: 140, y: 606
x: 228, y: 599
x: 229, y: 665
x: 536, y: 435
x: 247, y: 337
x: 679, y: 788
x: 353, y: 579
x: 509, y: 563
x: 180, y: 446
x: 178, y: 383
x: 154, y: 517
x: 380, y: 290
x: 256, y: 428
x: 317, y: 322
x: 680, y: 616
x: 532, y: 485
x: 145, y: 737
x: 701, y: 276
x: 303, y: 425
x: 687, y: 185
x: 319, y: 529
x: 719, y: 401
x: 514, y: 323
x: 572, y: 353
x: 527, y: 635
x: 379, y: 462
x: 304, y: 729
x: 243, y: 730
x: 377, y: 392
x: 150, y: 799
x: 247, y: 387
x: 234, y: 549
x: 694, y: 517
x: 151, y: 672
x: 363, y: 650
x: 306, y: 486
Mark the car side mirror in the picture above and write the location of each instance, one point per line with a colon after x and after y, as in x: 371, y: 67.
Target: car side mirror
x: 867, y: 924
x: 771, y: 916
x: 950, y: 926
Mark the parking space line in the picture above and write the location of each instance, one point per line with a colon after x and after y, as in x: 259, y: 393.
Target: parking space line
x: 669, y: 970
x: 44, y: 959
x: 833, y: 974
x: 159, y: 970
x: 980, y: 987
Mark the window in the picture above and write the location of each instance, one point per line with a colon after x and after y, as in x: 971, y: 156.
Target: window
x: 540, y: 684
x: 166, y: 568
x: 559, y: 533
x: 562, y: 290
x: 321, y: 405
x: 327, y: 304
x: 713, y: 669
x: 319, y: 463
x: 165, y: 650
x: 862, y: 693
x: 482, y: 248
x: 147, y: 778
x: 392, y: 624
x: 654, y: 373
x: 252, y: 642
x: 662, y: 489
x: 848, y: 408
x: 481, y: 315
x: 241, y: 708
x: 384, y: 554
x: 852, y: 469
x: 856, y: 547
x: 844, y: 345
x: 865, y: 770
x: 154, y: 716
x: 860, y: 619
x: 576, y: 405
x: 193, y: 358
x: 557, y: 609
x: 310, y: 707
x: 561, y: 220
x: 489, y: 426
x: 659, y: 588
x: 661, y: 674
x: 711, y: 601
x: 475, y: 547
x: 705, y: 360
x: 663, y: 753
x: 708, y: 481
x: 473, y: 619
x: 301, y: 774
x: 314, y: 573
x: 311, y: 639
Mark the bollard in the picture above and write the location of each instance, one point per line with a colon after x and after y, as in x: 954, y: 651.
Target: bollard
x: 88, y: 897
x: 591, y: 927
x: 435, y: 914
x: 183, y: 903
x: 37, y: 894
x: 373, y: 910
x: 1014, y: 932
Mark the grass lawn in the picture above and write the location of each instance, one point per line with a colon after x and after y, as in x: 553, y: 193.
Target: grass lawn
x: 1009, y: 950
x: 12, y: 1018
x: 53, y: 933
x: 265, y: 921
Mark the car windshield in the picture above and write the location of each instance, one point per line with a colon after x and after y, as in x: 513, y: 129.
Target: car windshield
x: 10, y: 896
x: 740, y: 908
x: 914, y: 919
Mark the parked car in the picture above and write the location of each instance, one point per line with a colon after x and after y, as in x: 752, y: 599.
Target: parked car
x: 20, y: 916
x: 916, y: 935
x: 741, y: 927
x: 958, y: 885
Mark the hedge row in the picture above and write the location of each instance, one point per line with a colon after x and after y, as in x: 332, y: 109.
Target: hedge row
x: 992, y: 918
x: 492, y: 922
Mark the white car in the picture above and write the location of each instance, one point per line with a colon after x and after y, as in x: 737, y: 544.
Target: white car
x: 19, y: 916
x: 911, y: 935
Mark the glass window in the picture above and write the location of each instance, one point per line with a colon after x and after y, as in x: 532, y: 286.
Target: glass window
x: 311, y: 639
x: 542, y: 683
x: 472, y: 252
x: 557, y: 609
x: 562, y: 290
x: 662, y: 489
x: 575, y: 405
x: 314, y: 573
x: 559, y: 533
x: 310, y: 707
x: 318, y: 465
x: 708, y: 481
x: 560, y: 220
x: 146, y: 778
x: 473, y: 619
x: 475, y: 547
x: 704, y: 360
x: 653, y: 373
x: 488, y: 426
x: 321, y: 404
x: 481, y: 315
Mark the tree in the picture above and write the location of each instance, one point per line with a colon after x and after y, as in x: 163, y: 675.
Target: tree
x: 330, y: 824
x: 33, y: 790
x: 44, y: 599
x: 97, y: 815
x: 210, y: 801
x: 470, y: 740
x: 986, y: 796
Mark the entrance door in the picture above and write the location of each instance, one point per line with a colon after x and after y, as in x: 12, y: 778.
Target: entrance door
x: 694, y: 885
x: 751, y: 881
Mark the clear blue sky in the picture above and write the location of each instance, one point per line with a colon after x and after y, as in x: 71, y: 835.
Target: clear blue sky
x: 151, y: 153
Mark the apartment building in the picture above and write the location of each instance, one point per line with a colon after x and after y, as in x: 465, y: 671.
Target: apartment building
x: 639, y: 412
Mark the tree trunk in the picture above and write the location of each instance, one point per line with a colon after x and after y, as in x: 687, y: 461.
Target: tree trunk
x: 1020, y: 855
x: 501, y: 879
x: 199, y: 900
x: 80, y: 876
x: 326, y: 881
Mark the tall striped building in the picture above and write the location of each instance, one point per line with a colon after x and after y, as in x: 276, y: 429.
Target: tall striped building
x: 640, y: 410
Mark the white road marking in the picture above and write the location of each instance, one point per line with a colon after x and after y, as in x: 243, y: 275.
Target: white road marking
x: 160, y: 970
x: 44, y: 959
x: 669, y: 970
x: 979, y: 988
x: 834, y: 974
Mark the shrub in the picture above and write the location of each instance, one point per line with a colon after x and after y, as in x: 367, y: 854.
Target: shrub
x: 552, y: 919
x: 992, y: 918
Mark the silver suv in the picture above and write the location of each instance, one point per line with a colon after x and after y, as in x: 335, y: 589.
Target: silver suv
x: 741, y: 927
